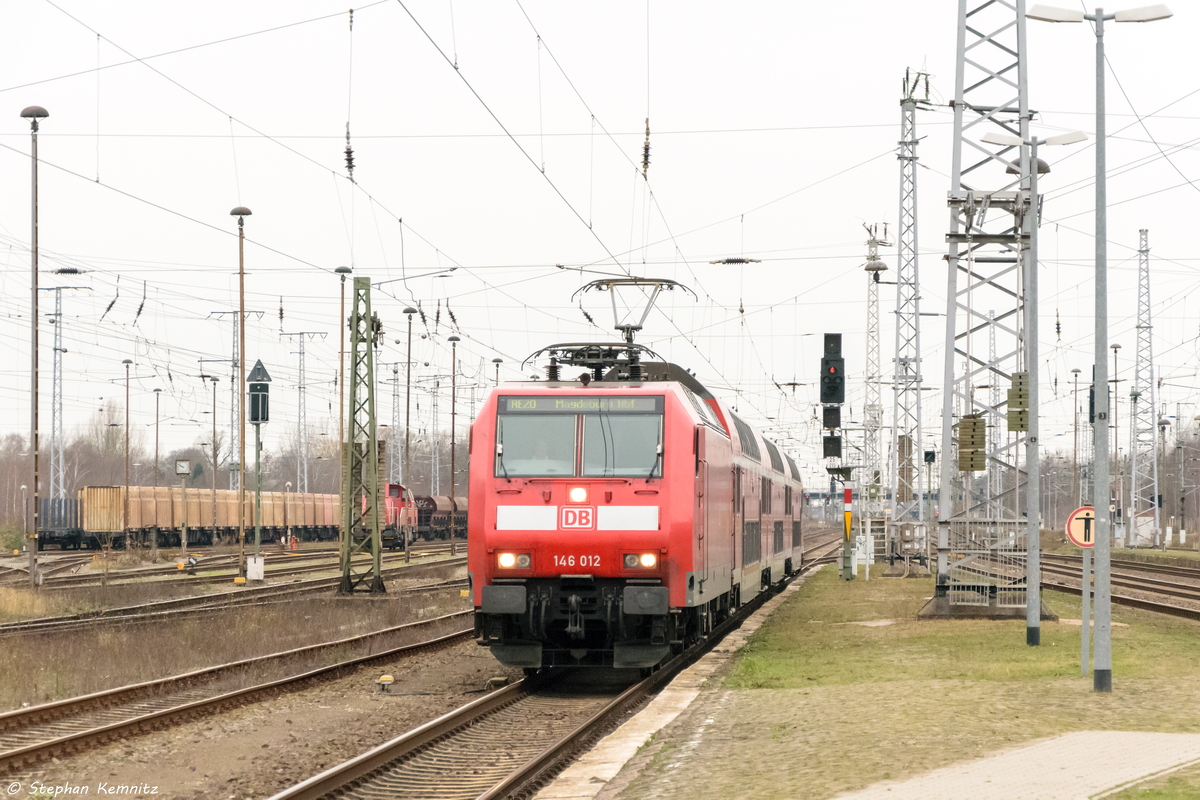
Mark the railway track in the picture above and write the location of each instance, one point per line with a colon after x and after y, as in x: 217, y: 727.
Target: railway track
x: 225, y: 567
x: 1066, y: 569
x: 509, y: 740
x: 31, y: 735
x: 158, y: 610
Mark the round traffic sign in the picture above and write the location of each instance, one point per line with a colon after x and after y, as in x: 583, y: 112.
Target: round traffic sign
x: 1081, y: 527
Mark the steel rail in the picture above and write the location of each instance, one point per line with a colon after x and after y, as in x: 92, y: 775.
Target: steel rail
x: 226, y: 599
x: 353, y: 774
x: 21, y: 722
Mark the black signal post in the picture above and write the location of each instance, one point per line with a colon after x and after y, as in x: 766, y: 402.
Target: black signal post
x: 260, y: 412
x: 833, y: 393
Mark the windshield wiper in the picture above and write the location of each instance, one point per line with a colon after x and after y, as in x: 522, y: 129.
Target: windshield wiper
x: 500, y: 458
x: 654, y: 466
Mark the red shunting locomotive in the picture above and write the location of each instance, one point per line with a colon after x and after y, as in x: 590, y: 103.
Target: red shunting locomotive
x: 617, y: 518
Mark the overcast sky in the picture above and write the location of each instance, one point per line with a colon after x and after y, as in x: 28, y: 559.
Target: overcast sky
x: 773, y: 136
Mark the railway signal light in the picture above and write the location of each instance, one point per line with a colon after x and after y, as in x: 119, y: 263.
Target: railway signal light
x: 832, y: 446
x: 831, y: 417
x: 833, y: 380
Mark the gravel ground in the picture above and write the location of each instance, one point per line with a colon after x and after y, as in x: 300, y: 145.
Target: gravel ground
x: 264, y: 747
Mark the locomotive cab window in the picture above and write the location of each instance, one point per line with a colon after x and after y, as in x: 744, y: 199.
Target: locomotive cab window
x: 572, y: 435
x: 622, y: 446
x: 535, y: 446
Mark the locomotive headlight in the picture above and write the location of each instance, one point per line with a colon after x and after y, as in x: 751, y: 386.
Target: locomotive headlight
x: 578, y: 494
x: 640, y: 561
x: 508, y: 560
x: 513, y: 560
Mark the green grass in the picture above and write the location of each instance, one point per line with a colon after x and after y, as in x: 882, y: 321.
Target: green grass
x: 825, y: 694
x: 807, y: 643
x: 1181, y: 785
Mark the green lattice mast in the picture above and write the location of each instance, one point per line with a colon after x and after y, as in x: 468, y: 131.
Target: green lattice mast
x: 361, y: 541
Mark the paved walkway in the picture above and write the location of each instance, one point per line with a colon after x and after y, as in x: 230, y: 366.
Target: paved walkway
x: 1087, y: 764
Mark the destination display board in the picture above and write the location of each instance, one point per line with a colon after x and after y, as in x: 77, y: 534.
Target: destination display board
x: 547, y: 404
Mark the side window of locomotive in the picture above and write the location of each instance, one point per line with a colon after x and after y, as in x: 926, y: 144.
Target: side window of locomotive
x: 622, y: 445
x: 535, y: 445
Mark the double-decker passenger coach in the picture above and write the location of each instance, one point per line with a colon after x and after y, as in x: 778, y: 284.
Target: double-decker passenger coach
x: 618, y: 516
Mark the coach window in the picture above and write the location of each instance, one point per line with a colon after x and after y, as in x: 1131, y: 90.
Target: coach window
x: 535, y: 445
x: 622, y: 445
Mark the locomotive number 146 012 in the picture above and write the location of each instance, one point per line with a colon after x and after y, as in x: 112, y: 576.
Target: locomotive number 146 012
x: 577, y: 561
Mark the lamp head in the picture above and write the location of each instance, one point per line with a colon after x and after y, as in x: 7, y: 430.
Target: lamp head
x: 453, y: 339
x: 240, y: 211
x: 410, y: 311
x: 343, y: 271
x: 35, y: 112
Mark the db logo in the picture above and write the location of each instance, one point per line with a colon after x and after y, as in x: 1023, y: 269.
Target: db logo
x: 577, y: 517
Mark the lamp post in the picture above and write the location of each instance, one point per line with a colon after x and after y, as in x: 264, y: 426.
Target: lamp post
x: 342, y: 271
x: 154, y: 536
x: 453, y: 396
x: 407, y: 527
x: 1163, y: 424
x: 1074, y: 457
x: 1120, y: 506
x: 497, y: 362
x: 125, y: 516
x: 1102, y: 674
x: 213, y: 451
x: 24, y: 510
x: 287, y: 496
x: 1031, y: 166
x: 33, y: 114
x: 241, y: 212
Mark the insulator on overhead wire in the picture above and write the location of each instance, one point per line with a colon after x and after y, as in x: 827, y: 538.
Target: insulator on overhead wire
x: 588, y: 316
x: 450, y: 311
x: 646, y: 150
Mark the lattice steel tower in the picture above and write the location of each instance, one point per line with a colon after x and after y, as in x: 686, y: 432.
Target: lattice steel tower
x: 362, y: 546
x: 302, y: 414
x: 872, y: 478
x: 988, y: 243
x: 906, y: 479
x: 1142, y: 429
x: 985, y: 243
x: 58, y: 482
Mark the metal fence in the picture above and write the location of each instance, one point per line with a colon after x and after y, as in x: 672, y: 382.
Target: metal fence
x: 987, y: 560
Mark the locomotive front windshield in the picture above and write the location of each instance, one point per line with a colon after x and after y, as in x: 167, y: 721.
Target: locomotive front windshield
x: 593, y: 437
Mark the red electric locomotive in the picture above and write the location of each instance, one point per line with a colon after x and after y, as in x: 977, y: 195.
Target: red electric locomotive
x: 617, y: 517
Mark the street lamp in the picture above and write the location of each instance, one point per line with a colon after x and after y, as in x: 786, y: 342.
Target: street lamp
x: 1031, y: 165
x: 407, y: 527
x: 241, y: 212
x: 1102, y: 673
x: 497, y: 362
x: 287, y: 496
x: 213, y: 449
x: 125, y: 519
x: 33, y: 114
x: 1074, y: 457
x: 24, y: 510
x: 1115, y: 346
x: 454, y: 340
x: 342, y: 272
